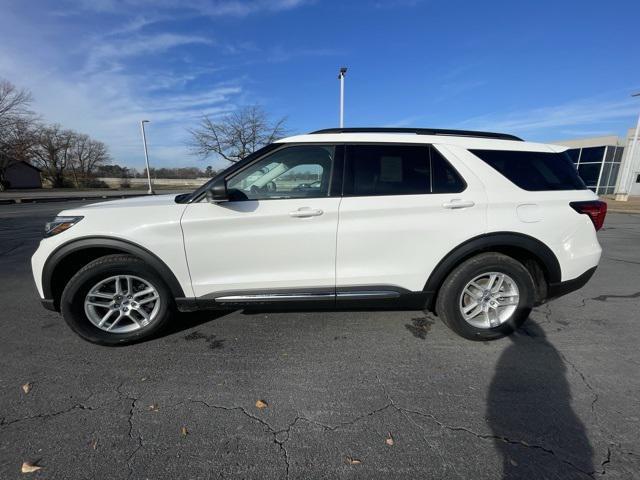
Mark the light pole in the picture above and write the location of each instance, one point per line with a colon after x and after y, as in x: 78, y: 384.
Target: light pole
x: 343, y: 71
x: 626, y: 181
x: 146, y: 155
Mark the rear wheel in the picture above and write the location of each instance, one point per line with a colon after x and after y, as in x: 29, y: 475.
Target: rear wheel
x: 486, y: 297
x: 116, y: 300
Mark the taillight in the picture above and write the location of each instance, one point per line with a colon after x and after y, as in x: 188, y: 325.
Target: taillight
x: 596, y: 210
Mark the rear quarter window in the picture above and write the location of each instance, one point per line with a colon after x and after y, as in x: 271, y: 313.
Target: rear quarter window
x: 534, y: 171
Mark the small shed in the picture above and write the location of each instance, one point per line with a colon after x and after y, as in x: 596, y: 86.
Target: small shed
x: 23, y: 175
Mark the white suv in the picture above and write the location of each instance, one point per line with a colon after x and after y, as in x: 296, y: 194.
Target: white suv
x: 477, y: 227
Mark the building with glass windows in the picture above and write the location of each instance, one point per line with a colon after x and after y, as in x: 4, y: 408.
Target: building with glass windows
x: 634, y: 164
x: 598, y: 161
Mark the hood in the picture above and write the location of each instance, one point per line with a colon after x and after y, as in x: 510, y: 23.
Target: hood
x: 139, y: 205
x: 142, y: 201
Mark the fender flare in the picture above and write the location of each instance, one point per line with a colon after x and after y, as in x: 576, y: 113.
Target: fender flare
x: 85, y: 243
x: 488, y: 241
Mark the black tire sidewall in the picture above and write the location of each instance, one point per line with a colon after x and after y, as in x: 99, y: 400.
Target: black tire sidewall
x: 73, y: 296
x: 448, y: 298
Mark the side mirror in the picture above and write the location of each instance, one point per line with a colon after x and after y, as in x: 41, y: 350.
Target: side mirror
x: 218, y: 191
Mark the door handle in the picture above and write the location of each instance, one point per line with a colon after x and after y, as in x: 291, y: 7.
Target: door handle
x: 458, y: 203
x: 306, y: 212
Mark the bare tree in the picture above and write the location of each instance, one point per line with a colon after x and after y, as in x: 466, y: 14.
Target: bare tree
x: 16, y: 127
x: 237, y: 134
x: 87, y: 155
x: 17, y: 140
x: 14, y: 103
x: 53, y: 153
x: 54, y: 149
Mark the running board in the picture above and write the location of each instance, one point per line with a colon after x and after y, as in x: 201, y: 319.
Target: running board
x: 355, y: 297
x: 274, y: 297
x: 280, y: 297
x: 366, y: 294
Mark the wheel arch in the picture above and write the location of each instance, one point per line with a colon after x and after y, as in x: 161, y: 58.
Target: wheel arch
x: 69, y: 257
x: 537, y: 257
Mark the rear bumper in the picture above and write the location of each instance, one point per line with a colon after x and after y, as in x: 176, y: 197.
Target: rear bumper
x: 562, y: 288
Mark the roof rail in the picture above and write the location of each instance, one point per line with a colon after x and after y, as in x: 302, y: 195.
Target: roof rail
x: 421, y: 131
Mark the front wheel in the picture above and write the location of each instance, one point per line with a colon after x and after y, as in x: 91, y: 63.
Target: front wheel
x: 486, y: 297
x: 116, y: 300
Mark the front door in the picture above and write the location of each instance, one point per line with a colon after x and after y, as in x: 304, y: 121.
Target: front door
x: 275, y: 239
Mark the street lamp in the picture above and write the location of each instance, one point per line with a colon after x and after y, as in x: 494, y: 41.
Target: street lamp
x: 343, y: 71
x: 146, y: 155
x: 626, y: 180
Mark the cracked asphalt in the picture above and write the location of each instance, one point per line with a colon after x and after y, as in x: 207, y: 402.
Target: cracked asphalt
x: 349, y: 394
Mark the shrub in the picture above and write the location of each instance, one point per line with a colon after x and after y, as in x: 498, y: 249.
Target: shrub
x: 93, y: 183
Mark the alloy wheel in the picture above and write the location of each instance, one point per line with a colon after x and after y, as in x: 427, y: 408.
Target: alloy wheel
x: 122, y: 304
x: 489, y: 300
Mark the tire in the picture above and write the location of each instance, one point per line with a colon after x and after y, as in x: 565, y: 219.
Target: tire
x: 132, y: 325
x: 453, y: 298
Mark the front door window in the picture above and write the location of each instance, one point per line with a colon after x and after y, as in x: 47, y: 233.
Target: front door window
x: 294, y: 172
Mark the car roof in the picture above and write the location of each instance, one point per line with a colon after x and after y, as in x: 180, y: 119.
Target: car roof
x: 467, y: 142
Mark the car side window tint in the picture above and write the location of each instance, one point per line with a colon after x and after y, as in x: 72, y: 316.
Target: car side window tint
x: 540, y: 171
x: 444, y: 178
x: 294, y: 172
x: 386, y: 170
x: 372, y: 170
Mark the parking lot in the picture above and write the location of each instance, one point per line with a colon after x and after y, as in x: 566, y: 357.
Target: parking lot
x: 342, y: 394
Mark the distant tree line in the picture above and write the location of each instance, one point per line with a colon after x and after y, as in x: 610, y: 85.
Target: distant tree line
x: 70, y: 158
x: 65, y: 157
x: 117, y: 171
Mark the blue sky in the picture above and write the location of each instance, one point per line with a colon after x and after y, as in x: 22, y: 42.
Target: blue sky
x: 545, y: 70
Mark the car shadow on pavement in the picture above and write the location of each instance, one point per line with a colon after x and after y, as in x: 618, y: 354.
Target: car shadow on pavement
x: 529, y: 411
x: 186, y: 320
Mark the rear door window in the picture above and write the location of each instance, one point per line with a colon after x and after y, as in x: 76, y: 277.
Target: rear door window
x: 444, y: 178
x: 392, y: 169
x: 387, y: 170
x: 534, y: 171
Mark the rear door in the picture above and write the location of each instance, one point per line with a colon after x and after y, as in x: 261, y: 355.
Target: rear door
x: 404, y: 208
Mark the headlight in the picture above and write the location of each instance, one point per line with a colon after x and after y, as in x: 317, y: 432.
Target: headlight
x: 59, y: 225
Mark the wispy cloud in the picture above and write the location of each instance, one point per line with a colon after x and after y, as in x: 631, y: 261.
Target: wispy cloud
x: 136, y: 24
x: 242, y: 8
x: 397, y: 3
x: 113, y: 67
x: 215, y: 8
x: 585, y: 132
x: 197, y: 100
x: 108, y: 52
x: 279, y: 53
x: 579, y: 113
x: 108, y: 103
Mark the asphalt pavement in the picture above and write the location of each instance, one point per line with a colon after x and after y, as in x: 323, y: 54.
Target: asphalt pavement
x: 342, y: 394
